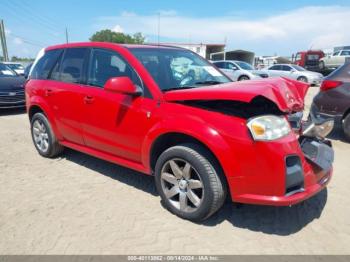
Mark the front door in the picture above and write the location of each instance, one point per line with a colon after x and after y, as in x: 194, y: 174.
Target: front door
x: 114, y: 123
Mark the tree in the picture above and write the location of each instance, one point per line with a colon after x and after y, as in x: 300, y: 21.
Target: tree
x: 116, y: 37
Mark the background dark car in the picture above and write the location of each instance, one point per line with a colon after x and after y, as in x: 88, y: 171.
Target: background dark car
x: 27, y: 70
x: 333, y: 100
x: 11, y: 88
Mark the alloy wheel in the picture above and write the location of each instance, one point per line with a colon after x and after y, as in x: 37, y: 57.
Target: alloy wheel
x: 182, y: 185
x: 40, y: 135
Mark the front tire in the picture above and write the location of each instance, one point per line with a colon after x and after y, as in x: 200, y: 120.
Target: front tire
x: 188, y: 181
x: 346, y: 127
x: 43, y: 137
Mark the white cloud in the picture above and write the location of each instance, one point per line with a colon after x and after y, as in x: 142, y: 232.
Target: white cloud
x: 167, y: 12
x: 316, y: 26
x: 118, y: 29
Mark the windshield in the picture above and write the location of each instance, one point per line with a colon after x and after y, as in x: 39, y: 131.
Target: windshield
x: 244, y: 65
x: 6, y: 71
x: 178, y: 68
x: 15, y: 66
x: 298, y: 68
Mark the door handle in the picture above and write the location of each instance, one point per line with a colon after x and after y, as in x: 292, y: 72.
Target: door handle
x: 48, y: 92
x: 88, y: 99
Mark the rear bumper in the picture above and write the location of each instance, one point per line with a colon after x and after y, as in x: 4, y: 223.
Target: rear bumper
x: 289, y: 199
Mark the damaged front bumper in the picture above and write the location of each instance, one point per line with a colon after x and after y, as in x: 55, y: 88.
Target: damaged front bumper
x: 295, y: 174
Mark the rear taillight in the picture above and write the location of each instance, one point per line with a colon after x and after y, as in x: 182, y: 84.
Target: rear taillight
x: 329, y: 84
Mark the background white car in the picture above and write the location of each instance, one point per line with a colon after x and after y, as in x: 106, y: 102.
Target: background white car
x: 295, y: 72
x: 17, y: 67
x: 239, y: 70
x: 335, y: 60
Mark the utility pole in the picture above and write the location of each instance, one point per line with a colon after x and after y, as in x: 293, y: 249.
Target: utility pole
x: 66, y: 35
x: 3, y: 41
x: 158, y: 27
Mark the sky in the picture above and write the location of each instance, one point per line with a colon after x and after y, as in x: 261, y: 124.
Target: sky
x: 265, y: 27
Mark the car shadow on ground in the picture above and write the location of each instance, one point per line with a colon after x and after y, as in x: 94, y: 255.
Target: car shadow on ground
x: 269, y: 219
x: 124, y: 175
x: 266, y: 219
x: 12, y: 111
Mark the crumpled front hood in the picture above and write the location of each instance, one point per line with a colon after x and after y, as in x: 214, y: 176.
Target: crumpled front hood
x: 287, y: 94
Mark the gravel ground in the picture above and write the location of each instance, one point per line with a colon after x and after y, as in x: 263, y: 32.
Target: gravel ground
x: 77, y: 204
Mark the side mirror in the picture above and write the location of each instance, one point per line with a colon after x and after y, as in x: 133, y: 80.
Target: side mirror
x: 122, y: 85
x: 293, y: 70
x: 234, y: 68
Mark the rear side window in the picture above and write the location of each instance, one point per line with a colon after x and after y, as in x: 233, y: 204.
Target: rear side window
x: 45, y: 64
x: 286, y: 68
x: 72, y: 65
x: 345, y: 53
x: 275, y: 67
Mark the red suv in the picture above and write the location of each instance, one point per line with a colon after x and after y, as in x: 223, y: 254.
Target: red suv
x: 167, y: 112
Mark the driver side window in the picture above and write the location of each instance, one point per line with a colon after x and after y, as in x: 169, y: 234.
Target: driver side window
x: 106, y: 64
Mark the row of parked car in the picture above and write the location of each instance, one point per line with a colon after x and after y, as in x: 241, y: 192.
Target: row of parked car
x: 239, y: 71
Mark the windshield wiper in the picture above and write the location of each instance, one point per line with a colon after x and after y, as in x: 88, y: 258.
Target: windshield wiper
x: 210, y: 82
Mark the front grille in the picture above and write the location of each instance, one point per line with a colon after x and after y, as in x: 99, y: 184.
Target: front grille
x: 294, y: 175
x: 12, y: 97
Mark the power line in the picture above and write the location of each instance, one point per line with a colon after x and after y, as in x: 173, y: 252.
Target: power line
x: 25, y: 19
x: 27, y: 41
x: 26, y: 11
x: 42, y: 16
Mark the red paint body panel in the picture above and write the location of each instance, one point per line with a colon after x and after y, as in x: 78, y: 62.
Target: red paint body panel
x: 122, y: 129
x: 287, y: 94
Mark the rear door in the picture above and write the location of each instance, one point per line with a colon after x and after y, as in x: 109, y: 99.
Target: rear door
x: 64, y: 92
x: 115, y: 123
x: 275, y: 70
x: 287, y: 71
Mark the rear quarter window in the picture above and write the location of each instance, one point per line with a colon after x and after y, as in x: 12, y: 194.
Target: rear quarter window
x: 45, y: 64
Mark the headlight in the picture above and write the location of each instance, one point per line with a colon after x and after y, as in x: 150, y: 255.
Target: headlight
x: 268, y: 127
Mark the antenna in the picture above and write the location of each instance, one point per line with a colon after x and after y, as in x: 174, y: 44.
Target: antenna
x: 66, y: 35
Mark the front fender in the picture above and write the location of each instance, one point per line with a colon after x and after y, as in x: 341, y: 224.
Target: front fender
x: 197, y: 129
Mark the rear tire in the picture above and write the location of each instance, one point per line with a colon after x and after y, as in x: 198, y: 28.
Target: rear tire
x: 302, y: 79
x: 44, y: 138
x: 243, y: 78
x: 187, y: 179
x: 346, y: 127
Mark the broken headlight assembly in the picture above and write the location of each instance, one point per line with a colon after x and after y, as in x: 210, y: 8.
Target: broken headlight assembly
x: 268, y: 127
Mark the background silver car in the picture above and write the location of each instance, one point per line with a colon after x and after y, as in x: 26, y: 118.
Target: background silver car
x: 295, y: 72
x: 239, y: 70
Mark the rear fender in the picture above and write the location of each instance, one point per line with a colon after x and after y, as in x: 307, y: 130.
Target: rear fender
x: 41, y: 103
